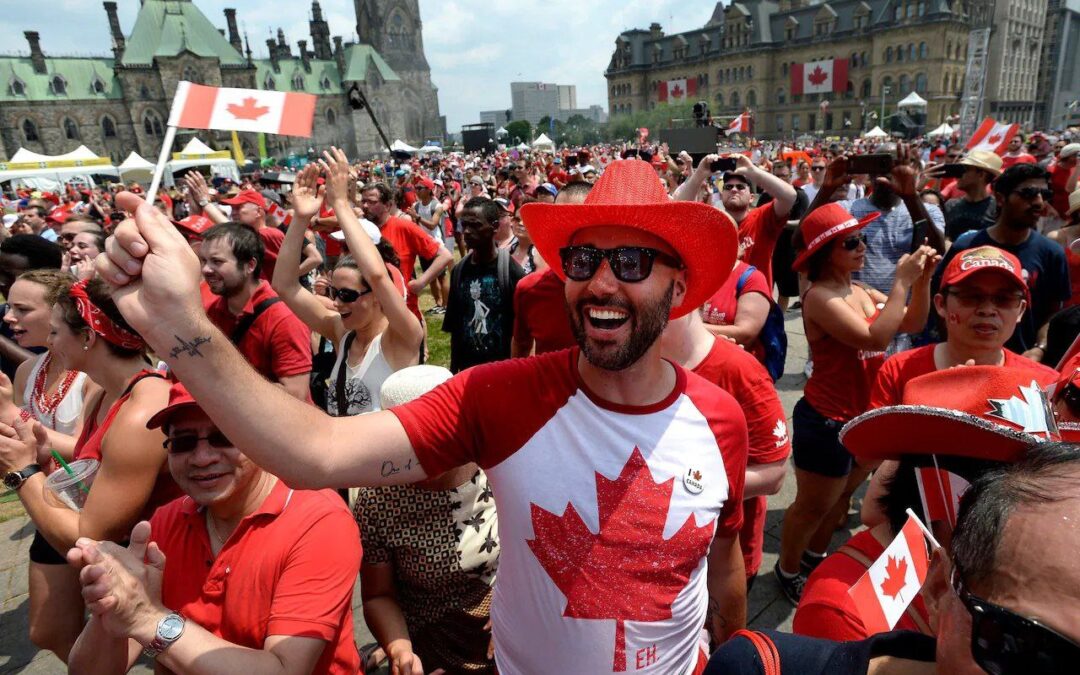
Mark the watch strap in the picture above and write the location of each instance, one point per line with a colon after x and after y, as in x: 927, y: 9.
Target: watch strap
x: 160, y: 643
x: 21, y: 475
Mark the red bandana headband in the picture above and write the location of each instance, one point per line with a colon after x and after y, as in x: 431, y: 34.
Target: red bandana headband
x: 101, y: 324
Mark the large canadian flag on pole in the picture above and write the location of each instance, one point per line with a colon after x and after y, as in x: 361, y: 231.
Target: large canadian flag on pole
x: 676, y: 90
x: 819, y: 77
x: 888, y: 587
x: 992, y: 136
x: 198, y: 106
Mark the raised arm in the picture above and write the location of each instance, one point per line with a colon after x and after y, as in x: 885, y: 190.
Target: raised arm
x: 156, y: 276
x: 200, y: 193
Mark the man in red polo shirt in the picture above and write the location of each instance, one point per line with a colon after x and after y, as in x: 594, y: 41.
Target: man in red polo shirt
x: 409, y: 241
x: 273, y: 339
x: 243, y: 570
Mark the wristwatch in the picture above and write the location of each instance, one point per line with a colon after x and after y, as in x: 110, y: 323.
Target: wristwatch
x: 15, y: 479
x: 204, y: 202
x: 169, y: 630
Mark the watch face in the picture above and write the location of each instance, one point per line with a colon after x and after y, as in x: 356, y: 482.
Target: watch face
x: 12, y: 480
x: 171, y: 627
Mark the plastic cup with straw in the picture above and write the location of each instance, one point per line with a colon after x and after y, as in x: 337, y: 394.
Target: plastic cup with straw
x: 72, y: 485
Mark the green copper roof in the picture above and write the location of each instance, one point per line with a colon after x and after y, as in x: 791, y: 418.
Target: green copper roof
x: 292, y: 73
x: 357, y: 58
x: 79, y: 76
x: 170, y: 27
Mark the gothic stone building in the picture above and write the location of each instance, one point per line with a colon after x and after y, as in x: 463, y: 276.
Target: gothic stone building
x: 117, y: 104
x: 742, y: 58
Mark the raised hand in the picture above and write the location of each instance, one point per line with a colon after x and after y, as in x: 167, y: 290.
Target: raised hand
x: 305, y: 193
x: 196, y: 186
x: 903, y: 179
x: 21, y: 443
x: 338, y: 175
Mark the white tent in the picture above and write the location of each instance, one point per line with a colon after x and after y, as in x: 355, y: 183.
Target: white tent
x: 943, y: 130
x: 912, y: 100
x: 195, y: 154
x: 542, y: 142
x: 50, y: 172
x: 876, y: 132
x: 430, y: 150
x: 136, y: 168
x: 523, y: 147
x: 500, y: 132
x: 401, y: 146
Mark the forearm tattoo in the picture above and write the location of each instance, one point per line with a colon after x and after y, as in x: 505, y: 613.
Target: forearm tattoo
x: 188, y: 348
x: 389, y: 468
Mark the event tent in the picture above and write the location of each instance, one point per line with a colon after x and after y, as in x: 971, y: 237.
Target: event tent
x: 401, y: 146
x: 430, y: 150
x: 136, y: 168
x: 50, y: 172
x: 943, y: 130
x: 195, y: 154
x: 544, y: 143
x: 912, y: 100
x: 876, y: 132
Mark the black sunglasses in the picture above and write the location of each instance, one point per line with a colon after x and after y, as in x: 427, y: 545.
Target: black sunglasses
x: 178, y: 445
x: 346, y: 295
x: 851, y: 243
x: 1030, y: 193
x: 629, y: 264
x: 1003, y: 642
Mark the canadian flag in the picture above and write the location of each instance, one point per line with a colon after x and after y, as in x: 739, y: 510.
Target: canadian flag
x: 198, y: 106
x: 992, y: 136
x: 739, y: 125
x: 940, y: 492
x: 819, y: 77
x: 676, y: 90
x: 888, y: 587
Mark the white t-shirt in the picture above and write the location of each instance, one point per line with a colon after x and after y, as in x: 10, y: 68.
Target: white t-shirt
x: 606, y: 512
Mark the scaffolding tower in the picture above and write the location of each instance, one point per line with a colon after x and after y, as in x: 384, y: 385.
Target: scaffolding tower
x: 981, y: 19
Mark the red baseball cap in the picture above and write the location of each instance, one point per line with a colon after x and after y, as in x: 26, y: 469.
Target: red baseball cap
x: 179, y: 398
x: 426, y: 183
x: 247, y: 197
x: 58, y: 216
x: 195, y: 224
x: 984, y: 259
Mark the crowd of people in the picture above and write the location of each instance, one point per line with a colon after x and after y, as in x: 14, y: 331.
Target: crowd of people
x: 582, y: 486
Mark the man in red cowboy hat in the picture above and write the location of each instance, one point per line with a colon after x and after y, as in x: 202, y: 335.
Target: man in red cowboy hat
x: 618, y: 476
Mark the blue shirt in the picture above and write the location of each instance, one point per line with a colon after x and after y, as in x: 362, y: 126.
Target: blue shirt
x: 887, y: 238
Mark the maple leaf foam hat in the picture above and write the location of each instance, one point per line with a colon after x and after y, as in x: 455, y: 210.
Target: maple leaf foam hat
x: 824, y: 224
x: 979, y: 412
x: 629, y: 194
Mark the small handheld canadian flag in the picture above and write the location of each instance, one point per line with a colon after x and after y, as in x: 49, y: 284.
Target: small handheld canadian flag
x: 888, y: 587
x: 198, y: 106
x: 992, y: 136
x: 739, y: 125
x: 940, y: 492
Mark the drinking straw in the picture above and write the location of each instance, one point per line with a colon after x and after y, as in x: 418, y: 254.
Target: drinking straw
x: 65, y: 467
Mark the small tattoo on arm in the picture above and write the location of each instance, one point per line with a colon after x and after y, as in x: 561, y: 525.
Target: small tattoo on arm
x: 189, y: 348
x: 389, y: 468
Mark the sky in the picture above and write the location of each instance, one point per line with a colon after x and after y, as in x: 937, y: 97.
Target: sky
x: 475, y: 47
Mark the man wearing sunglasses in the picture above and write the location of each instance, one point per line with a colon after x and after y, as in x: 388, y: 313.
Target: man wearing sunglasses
x: 618, y: 476
x: 1022, y: 193
x: 243, y: 570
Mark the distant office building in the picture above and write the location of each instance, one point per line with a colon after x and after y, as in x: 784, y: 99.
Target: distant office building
x: 1012, y: 73
x: 1059, y: 69
x: 498, y: 118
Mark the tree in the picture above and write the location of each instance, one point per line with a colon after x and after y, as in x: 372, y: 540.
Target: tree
x: 520, y: 128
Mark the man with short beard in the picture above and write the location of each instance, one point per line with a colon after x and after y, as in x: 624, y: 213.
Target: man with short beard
x: 618, y: 476
x: 1022, y: 193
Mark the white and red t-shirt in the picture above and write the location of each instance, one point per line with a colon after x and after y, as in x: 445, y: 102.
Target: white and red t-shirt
x: 758, y: 233
x: 606, y: 512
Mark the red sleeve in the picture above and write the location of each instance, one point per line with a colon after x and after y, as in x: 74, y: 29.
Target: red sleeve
x: 272, y: 239
x: 887, y: 389
x: 314, y: 589
x: 757, y: 284
x: 827, y: 621
x: 421, y: 241
x: 464, y: 419
x: 521, y: 323
x: 729, y: 427
x: 770, y: 440
x: 290, y: 345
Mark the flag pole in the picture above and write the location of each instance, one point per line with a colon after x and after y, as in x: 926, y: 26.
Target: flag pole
x: 159, y: 169
x: 926, y: 532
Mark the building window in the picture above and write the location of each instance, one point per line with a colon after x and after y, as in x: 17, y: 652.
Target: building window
x: 911, y: 51
x: 828, y: 121
x: 325, y: 84
x: 898, y: 11
x: 866, y: 87
x: 98, y: 86
x: 298, y: 82
x: 780, y: 123
x: 921, y: 83
x: 854, y: 62
x: 811, y: 121
x: 900, y: 54
x: 751, y: 98
x: 190, y: 75
x: 849, y: 92
x: 144, y: 93
x: 331, y: 117
x: 780, y: 97
x: 152, y: 124
x: 17, y: 87
x: 922, y: 7
x: 108, y: 127
x: 734, y: 99
x: 886, y: 86
x: 784, y: 69
x: 29, y: 131
x: 719, y: 100
x: 924, y: 51
x: 905, y: 84
x: 888, y: 55
x: 71, y: 130
x: 864, y: 59
x: 794, y: 122
x: 847, y: 119
x: 58, y: 85
x: 268, y: 82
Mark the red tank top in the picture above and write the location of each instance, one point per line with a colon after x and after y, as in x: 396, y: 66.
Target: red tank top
x: 89, y: 444
x: 1074, y: 276
x: 840, y: 382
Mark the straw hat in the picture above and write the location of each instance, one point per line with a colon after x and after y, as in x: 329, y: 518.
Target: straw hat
x: 983, y: 159
x: 411, y: 383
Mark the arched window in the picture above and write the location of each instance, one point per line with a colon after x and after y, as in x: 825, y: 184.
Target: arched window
x: 144, y: 92
x: 924, y: 51
x: 921, y: 83
x: 29, y: 131
x: 866, y: 87
x: 98, y: 86
x: 191, y: 75
x: 749, y: 72
x: 331, y: 117
x: 900, y: 54
x: 152, y: 124
x: 887, y: 86
x: 911, y: 51
x: 298, y: 81
x: 17, y: 87
x: 325, y: 84
x: 719, y: 100
x: 948, y: 50
x: 734, y: 99
x: 784, y: 69
x: 888, y: 55
x: 58, y: 85
x: 849, y: 92
x: 751, y: 98
x: 864, y: 59
x: 905, y: 84
x: 71, y: 130
x: 108, y: 127
x: 268, y: 82
x: 780, y: 96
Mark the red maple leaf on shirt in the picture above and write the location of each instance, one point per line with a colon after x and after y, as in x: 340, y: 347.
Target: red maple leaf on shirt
x: 627, y: 571
x: 677, y: 92
x: 247, y: 111
x: 818, y: 76
x: 895, y: 576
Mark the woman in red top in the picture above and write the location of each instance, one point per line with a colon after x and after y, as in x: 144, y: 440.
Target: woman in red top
x: 848, y: 326
x: 1064, y: 237
x: 88, y: 334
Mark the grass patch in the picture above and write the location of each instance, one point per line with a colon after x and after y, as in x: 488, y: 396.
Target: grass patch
x: 10, y: 506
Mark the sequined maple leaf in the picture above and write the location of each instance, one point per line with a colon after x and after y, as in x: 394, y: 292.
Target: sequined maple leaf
x: 895, y: 577
x: 627, y: 571
x: 247, y: 111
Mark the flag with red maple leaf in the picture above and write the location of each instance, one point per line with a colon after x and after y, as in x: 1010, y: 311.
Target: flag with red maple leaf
x: 198, y: 106
x: 626, y: 571
x: 248, y: 110
x: 992, y: 136
x: 883, y: 594
x: 676, y: 90
x: 819, y: 77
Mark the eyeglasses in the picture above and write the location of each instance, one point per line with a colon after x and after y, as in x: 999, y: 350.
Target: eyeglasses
x: 346, y: 295
x: 1004, y: 642
x: 975, y: 300
x: 67, y: 236
x: 629, y: 264
x: 736, y: 186
x: 817, y: 168
x: 179, y: 445
x: 851, y: 243
x: 1030, y: 193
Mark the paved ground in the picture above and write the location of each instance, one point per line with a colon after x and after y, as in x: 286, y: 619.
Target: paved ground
x: 767, y: 607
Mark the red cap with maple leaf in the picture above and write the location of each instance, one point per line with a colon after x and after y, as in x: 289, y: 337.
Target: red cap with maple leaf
x: 247, y: 197
x: 983, y: 412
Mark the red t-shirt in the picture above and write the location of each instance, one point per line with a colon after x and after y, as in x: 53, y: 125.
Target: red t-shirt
x: 278, y: 344
x: 1059, y: 177
x: 827, y: 611
x: 758, y: 233
x: 901, y: 368
x: 721, y: 308
x: 738, y: 373
x: 1022, y: 158
x: 272, y: 239
x: 410, y: 242
x: 288, y: 569
x: 606, y: 511
x: 540, y: 311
